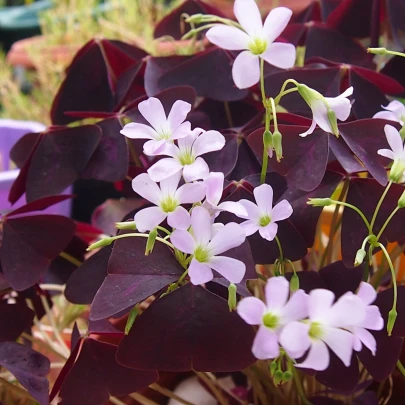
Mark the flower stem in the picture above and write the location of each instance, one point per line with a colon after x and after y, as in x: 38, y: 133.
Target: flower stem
x: 262, y: 82
x: 401, y: 368
x: 387, y: 222
x: 280, y: 249
x: 377, y: 208
x: 353, y: 207
x: 300, y: 389
x: 70, y: 258
x: 283, y: 92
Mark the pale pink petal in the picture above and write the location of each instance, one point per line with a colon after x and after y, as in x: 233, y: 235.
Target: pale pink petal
x: 366, y: 338
x: 201, y: 225
x: 251, y: 310
x: 388, y: 153
x: 152, y: 110
x: 196, y: 171
x: 169, y: 185
x: 178, y: 114
x: 348, y: 310
x: 294, y: 339
x: 318, y: 357
x: 147, y: 188
x: 320, y: 113
x: 199, y: 273
x: 384, y: 115
x: 396, y: 107
x: 280, y: 54
x: 183, y: 241
x: 230, y: 38
x: 250, y: 227
x: 214, y: 187
x: 265, y: 346
x: 233, y: 207
x: 209, y: 141
x: 373, y: 319
x: 281, y: 210
x: 179, y: 218
x: 264, y: 198
x: 149, y: 218
x: 216, y: 227
x: 251, y: 208
x: 394, y: 139
x: 366, y: 293
x: 340, y: 342
x: 138, y: 131
x: 181, y: 131
x: 228, y: 267
x: 153, y: 148
x: 168, y: 148
x: 246, y: 70
x: 356, y: 343
x: 310, y: 129
x: 186, y: 143
x: 341, y: 106
x: 248, y: 14
x: 276, y: 292
x: 230, y: 236
x: 190, y: 193
x: 348, y: 92
x: 269, y: 231
x: 164, y: 168
x: 296, y: 308
x: 319, y: 304
x: 276, y: 22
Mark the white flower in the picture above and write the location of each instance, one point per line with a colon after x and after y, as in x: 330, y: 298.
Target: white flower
x: 395, y: 112
x: 396, y: 153
x: 168, y: 199
x: 163, y: 129
x: 272, y: 316
x: 256, y: 40
x: 186, y: 156
x: 263, y: 216
x: 205, y: 242
x: 326, y: 110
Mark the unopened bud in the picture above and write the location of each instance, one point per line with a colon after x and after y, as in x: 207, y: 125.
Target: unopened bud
x: 377, y: 51
x: 131, y: 319
x: 278, y: 377
x: 268, y: 142
x: 273, y: 367
x: 294, y: 283
x: 128, y: 225
x: 401, y: 201
x: 101, y: 243
x: 195, y: 19
x: 333, y: 122
x: 287, y: 375
x: 320, y: 202
x: 392, y: 316
x: 277, y: 145
x: 232, y: 297
x: 151, y: 241
x: 360, y: 255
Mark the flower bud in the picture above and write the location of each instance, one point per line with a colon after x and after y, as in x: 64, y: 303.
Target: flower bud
x: 294, y: 283
x: 287, y: 375
x: 401, y: 201
x: 360, y: 255
x: 392, y: 316
x: 232, y: 297
x: 278, y: 377
x: 377, y: 51
x: 129, y: 225
x: 277, y: 145
x: 273, y: 367
x: 333, y: 122
x: 101, y: 243
x: 268, y: 143
x: 308, y: 94
x: 131, y: 318
x: 320, y: 202
x: 151, y: 241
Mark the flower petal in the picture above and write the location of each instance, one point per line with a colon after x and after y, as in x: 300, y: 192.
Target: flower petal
x: 201, y: 225
x: 169, y: 185
x: 394, y: 139
x: 246, y: 70
x: 318, y: 357
x: 373, y: 319
x: 319, y: 304
x: 163, y: 169
x: 153, y: 148
x: 281, y: 210
x: 251, y: 310
x: 310, y: 129
x: 269, y: 231
x: 276, y: 22
x: 183, y: 241
x: 280, y: 54
x: 348, y: 310
x: 366, y: 293
x: 396, y: 107
x: 178, y: 114
x: 138, y: 131
x: 230, y: 38
x: 190, y: 193
x: 248, y: 14
x: 388, y: 153
x: 214, y: 187
x: 295, y: 339
x: 208, y: 141
x: 276, y: 292
x: 196, y: 171
x: 264, y: 198
x: 228, y: 267
x: 230, y: 236
x: 149, y: 218
x: 250, y: 227
x: 384, y: 115
x: 320, y: 113
x: 366, y: 338
x: 147, y: 188
x: 341, y: 106
x: 251, y: 208
x: 296, y: 308
x: 341, y: 343
x: 199, y: 273
x: 153, y: 111
x: 233, y: 207
x: 179, y: 218
x: 185, y: 144
x: 265, y: 346
x: 181, y: 131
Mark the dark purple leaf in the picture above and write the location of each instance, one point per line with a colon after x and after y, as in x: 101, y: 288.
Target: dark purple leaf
x: 366, y: 398
x: 103, y: 327
x: 346, y: 158
x: 40, y: 205
x: 324, y: 401
x: 14, y: 319
x: 23, y: 148
x: 246, y: 164
x: 187, y: 329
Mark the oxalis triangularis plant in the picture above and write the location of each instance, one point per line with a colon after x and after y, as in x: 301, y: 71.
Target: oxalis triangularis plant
x: 223, y: 267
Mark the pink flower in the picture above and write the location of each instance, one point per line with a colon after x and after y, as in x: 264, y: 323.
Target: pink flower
x: 256, y: 40
x: 262, y: 215
x: 325, y: 328
x: 168, y: 199
x: 395, y: 111
x: 205, y: 243
x: 186, y: 156
x: 163, y: 129
x: 272, y: 316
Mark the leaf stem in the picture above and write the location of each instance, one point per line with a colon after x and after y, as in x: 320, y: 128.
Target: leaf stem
x: 283, y: 91
x: 377, y: 208
x: 70, y: 258
x: 299, y: 387
x: 353, y: 207
x: 401, y: 368
x: 387, y: 222
x: 262, y: 82
x: 279, y: 248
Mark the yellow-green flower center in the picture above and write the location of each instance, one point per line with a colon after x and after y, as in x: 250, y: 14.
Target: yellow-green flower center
x: 201, y: 254
x: 169, y: 204
x: 264, y: 220
x: 270, y: 320
x: 164, y: 134
x: 257, y: 46
x: 315, y: 331
x: 186, y: 158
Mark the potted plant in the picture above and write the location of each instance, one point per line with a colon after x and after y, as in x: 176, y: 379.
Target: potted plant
x: 222, y: 270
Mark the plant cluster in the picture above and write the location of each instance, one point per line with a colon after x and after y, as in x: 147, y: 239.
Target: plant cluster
x: 225, y: 267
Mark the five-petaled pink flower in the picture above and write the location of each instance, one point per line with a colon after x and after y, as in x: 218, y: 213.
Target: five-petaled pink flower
x: 262, y: 215
x: 324, y: 328
x: 168, y: 199
x: 394, y: 111
x: 205, y: 243
x: 163, y: 129
x: 272, y: 316
x: 186, y: 156
x: 255, y: 40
